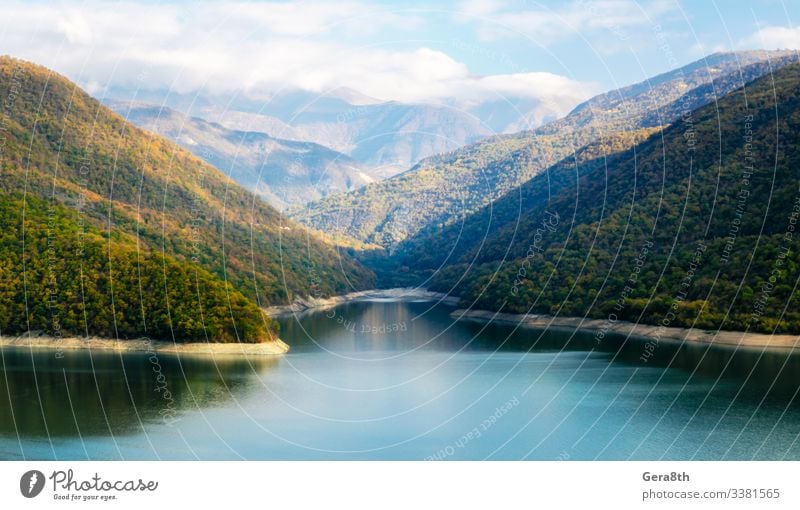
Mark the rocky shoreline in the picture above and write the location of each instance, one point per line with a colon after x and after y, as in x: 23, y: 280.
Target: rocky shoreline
x: 270, y: 348
x: 643, y: 332
x: 301, y: 305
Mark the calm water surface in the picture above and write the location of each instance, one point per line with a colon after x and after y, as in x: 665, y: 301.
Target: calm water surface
x: 401, y: 380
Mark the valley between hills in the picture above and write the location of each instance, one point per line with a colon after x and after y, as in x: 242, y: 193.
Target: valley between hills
x: 670, y: 203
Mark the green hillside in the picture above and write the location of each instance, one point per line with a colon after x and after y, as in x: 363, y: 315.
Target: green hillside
x: 65, y: 280
x: 466, y: 239
x: 157, y: 226
x: 693, y: 227
x: 445, y: 189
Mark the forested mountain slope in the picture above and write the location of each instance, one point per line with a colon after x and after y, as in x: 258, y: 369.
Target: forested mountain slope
x: 110, y: 230
x: 445, y: 189
x: 696, y: 226
x: 413, y: 260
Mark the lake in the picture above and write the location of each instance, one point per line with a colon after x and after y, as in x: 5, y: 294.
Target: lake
x: 402, y: 380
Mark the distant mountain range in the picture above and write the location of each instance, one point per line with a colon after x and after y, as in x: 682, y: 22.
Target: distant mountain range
x: 445, y: 189
x: 109, y: 230
x: 381, y: 139
x: 283, y: 172
x: 384, y: 138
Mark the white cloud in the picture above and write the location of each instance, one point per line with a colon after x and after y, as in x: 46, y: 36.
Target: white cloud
x: 547, y: 26
x: 482, y: 7
x: 561, y: 92
x: 223, y: 47
x: 202, y: 39
x: 774, y: 38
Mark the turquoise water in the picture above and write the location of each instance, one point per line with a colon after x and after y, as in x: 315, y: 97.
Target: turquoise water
x: 401, y: 380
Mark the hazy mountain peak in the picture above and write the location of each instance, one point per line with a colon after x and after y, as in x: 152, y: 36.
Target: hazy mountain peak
x: 283, y: 172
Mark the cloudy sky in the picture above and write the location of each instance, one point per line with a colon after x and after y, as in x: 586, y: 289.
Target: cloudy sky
x: 560, y: 52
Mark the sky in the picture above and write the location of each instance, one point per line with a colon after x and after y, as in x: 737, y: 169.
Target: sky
x: 458, y: 51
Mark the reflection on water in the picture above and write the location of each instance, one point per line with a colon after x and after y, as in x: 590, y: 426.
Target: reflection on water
x: 401, y: 380
x: 363, y: 328
x: 102, y: 393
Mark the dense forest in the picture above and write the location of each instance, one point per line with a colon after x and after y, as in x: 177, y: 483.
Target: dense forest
x: 167, y: 237
x: 695, y: 226
x: 69, y: 280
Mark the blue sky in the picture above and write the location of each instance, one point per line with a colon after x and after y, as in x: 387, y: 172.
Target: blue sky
x: 609, y: 42
x: 561, y: 52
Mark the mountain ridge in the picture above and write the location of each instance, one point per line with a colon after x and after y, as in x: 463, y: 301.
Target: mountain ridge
x: 674, y: 230
x: 136, y: 236
x: 471, y: 177
x: 385, y: 137
x: 283, y: 172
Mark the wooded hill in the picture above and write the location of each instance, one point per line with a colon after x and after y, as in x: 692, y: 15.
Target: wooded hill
x: 695, y: 226
x: 109, y: 230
